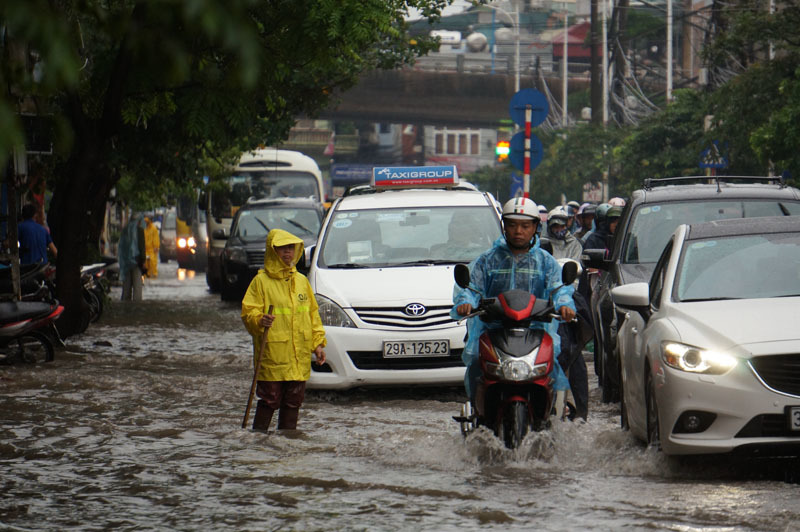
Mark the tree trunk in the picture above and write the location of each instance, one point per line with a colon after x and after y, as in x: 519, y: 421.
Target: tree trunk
x: 70, y: 213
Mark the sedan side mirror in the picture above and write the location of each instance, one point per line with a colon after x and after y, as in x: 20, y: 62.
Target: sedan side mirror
x: 633, y: 296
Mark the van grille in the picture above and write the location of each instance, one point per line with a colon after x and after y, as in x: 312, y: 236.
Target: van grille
x: 779, y: 372
x: 395, y: 317
x: 255, y: 258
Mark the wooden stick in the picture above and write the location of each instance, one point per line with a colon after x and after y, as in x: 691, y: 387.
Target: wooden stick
x: 255, y: 373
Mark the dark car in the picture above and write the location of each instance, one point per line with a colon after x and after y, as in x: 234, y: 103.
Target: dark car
x: 244, y: 250
x: 649, y: 218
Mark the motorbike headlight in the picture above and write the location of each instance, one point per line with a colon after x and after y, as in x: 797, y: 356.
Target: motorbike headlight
x: 518, y: 368
x: 181, y: 242
x: 332, y: 314
x: 695, y: 360
x: 192, y: 243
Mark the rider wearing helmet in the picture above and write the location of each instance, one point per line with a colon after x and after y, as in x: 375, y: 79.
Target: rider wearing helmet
x: 606, y: 218
x: 563, y: 244
x: 515, y: 260
x: 572, y: 210
x: 585, y: 218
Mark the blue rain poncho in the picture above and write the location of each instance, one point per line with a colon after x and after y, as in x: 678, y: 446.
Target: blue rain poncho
x: 128, y: 248
x: 498, y: 270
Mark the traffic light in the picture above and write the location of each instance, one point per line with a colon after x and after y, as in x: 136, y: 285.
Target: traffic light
x: 502, y: 150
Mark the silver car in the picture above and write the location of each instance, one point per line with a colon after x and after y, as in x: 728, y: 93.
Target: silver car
x: 710, y: 347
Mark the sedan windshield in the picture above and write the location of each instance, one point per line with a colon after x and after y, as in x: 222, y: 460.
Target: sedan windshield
x: 740, y: 267
x: 254, y: 224
x: 652, y: 225
x: 409, y: 237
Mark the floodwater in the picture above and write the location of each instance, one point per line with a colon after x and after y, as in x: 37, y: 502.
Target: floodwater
x: 137, y: 426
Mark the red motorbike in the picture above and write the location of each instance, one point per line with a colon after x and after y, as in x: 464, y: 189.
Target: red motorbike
x: 515, y: 390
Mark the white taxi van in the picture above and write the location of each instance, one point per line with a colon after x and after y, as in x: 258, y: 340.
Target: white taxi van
x: 382, y: 273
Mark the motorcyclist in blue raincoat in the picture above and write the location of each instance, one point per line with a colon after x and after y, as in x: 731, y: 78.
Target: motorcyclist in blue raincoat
x: 514, y: 261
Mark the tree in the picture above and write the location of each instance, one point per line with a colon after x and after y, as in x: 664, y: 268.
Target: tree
x: 146, y: 89
x: 756, y: 101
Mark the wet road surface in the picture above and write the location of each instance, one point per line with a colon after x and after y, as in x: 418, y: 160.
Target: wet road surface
x: 137, y: 427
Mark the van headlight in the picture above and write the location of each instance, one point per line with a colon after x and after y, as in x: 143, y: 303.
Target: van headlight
x: 332, y: 314
x: 695, y: 360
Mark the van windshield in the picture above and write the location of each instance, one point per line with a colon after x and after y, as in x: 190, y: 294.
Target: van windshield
x: 408, y: 236
x: 653, y: 224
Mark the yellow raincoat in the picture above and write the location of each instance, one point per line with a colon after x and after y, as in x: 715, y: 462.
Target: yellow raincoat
x: 151, y: 243
x: 297, y: 329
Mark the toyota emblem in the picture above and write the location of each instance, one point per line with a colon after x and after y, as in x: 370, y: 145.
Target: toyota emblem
x: 415, y: 309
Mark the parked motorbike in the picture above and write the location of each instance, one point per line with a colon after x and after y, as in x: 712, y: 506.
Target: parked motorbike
x: 514, y: 393
x: 95, y: 288
x: 23, y: 326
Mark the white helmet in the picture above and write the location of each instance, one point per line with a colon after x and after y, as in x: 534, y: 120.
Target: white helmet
x: 521, y: 209
x: 558, y: 215
x: 617, y: 201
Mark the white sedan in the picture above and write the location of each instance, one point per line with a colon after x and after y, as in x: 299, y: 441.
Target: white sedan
x: 710, y: 347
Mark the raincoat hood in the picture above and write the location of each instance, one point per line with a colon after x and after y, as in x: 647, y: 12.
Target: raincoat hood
x: 273, y: 265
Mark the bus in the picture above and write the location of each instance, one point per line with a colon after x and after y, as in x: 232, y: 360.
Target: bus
x: 259, y: 174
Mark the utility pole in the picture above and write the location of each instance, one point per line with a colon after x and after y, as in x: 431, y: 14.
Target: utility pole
x: 596, y: 82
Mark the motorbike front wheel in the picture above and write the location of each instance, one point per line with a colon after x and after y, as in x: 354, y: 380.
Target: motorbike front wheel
x: 515, y: 424
x: 31, y: 348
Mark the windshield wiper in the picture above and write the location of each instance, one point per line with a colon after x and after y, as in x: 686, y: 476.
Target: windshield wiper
x: 347, y: 265
x: 427, y: 262
x: 262, y: 224
x: 299, y: 226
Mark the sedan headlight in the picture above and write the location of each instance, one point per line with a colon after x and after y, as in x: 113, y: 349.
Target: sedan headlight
x: 695, y: 360
x: 332, y: 314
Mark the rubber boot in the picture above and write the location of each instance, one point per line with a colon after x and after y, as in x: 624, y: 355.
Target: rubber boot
x: 262, y: 418
x: 287, y: 418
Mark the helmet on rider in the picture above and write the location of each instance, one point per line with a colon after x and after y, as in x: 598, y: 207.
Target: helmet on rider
x: 521, y: 209
x: 572, y: 207
x: 557, y: 220
x: 556, y: 216
x: 601, y: 213
x: 617, y: 202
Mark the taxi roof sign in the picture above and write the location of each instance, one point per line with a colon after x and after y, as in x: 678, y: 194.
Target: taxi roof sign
x: 414, y: 176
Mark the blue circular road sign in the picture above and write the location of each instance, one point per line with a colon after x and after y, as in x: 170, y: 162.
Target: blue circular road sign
x: 532, y: 97
x: 517, y: 153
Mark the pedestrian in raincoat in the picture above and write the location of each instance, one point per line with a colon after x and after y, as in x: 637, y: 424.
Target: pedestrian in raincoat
x: 294, y: 331
x: 131, y: 258
x: 514, y: 261
x: 151, y: 243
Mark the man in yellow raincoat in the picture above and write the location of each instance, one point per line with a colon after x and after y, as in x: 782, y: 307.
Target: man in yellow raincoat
x: 151, y: 243
x: 294, y: 331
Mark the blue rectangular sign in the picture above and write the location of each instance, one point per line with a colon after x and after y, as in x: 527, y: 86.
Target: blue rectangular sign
x: 420, y: 176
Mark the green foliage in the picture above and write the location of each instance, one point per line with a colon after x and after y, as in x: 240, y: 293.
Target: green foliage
x: 572, y: 158
x: 169, y: 81
x: 493, y: 179
x: 666, y: 144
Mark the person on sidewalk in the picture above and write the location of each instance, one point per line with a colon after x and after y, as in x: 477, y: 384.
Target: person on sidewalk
x: 294, y: 331
x: 131, y: 258
x: 34, y: 238
x: 152, y: 241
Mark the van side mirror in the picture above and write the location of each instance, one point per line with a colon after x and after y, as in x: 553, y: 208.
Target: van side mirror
x: 595, y: 258
x: 461, y: 274
x: 219, y: 234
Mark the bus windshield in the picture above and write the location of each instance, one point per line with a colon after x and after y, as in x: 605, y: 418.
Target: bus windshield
x: 262, y: 184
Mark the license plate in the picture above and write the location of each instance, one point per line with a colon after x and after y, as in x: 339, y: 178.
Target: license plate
x: 416, y: 348
x: 794, y: 417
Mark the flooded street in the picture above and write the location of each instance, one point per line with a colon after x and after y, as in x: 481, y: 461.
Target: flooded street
x: 137, y: 427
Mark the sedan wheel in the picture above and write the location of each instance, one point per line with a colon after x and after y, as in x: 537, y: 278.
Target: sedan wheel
x: 653, y: 428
